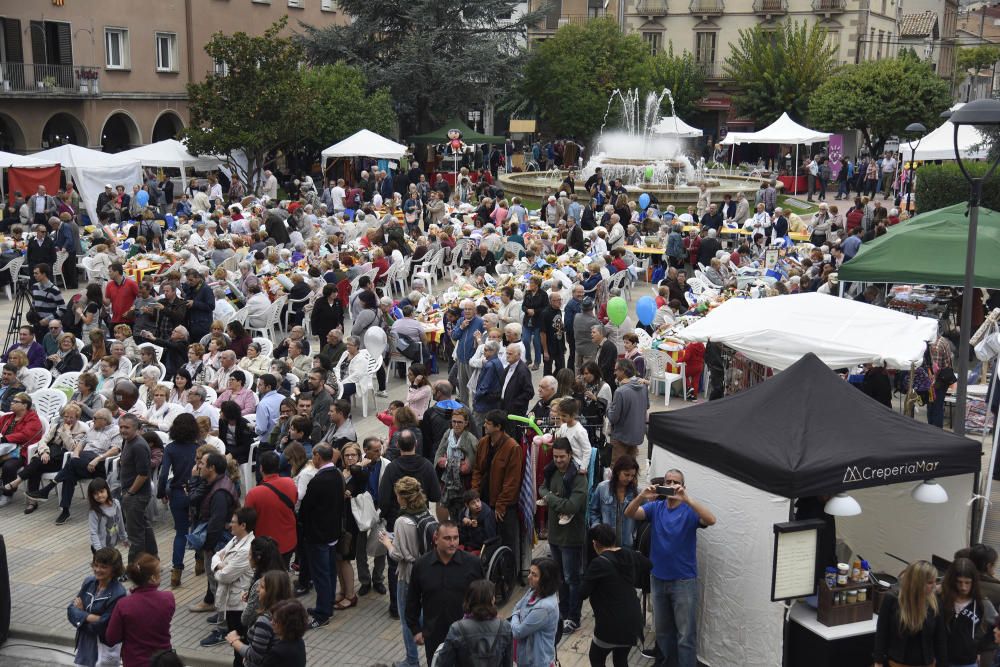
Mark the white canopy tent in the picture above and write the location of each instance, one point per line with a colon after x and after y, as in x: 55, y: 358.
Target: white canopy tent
x: 171, y: 153
x: 672, y: 126
x: 940, y: 143
x: 365, y: 143
x: 782, y: 131
x: 778, y: 331
x: 90, y: 170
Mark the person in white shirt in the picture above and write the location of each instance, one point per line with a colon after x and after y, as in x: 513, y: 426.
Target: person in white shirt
x: 760, y: 222
x: 257, y: 306
x: 337, y: 195
x: 200, y: 407
x: 270, y: 186
x: 617, y: 236
x: 598, y: 244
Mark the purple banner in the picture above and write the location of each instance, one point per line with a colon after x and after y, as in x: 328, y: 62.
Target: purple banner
x: 835, y: 151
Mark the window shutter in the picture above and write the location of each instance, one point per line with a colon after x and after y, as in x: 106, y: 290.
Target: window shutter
x: 37, y: 30
x: 14, y: 52
x: 65, y: 40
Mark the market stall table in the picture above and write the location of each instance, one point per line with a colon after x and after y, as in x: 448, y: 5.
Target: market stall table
x: 812, y: 643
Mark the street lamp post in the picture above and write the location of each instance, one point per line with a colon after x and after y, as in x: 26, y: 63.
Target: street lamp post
x: 913, y: 130
x: 979, y: 113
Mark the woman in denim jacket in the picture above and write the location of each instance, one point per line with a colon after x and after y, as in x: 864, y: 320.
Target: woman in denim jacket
x: 536, y: 616
x: 611, y: 497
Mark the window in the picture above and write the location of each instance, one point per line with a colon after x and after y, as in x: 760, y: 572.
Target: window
x: 116, y: 48
x: 295, y: 3
x: 166, y: 52
x: 326, y: 5
x: 704, y: 47
x: 652, y: 40
x: 220, y: 68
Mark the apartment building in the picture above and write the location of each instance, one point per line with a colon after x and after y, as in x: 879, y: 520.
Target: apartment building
x: 860, y: 29
x: 112, y: 74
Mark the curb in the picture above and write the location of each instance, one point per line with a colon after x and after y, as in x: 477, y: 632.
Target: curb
x: 43, y: 635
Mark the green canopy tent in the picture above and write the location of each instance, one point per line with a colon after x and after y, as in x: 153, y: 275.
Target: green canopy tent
x: 469, y: 136
x: 930, y: 249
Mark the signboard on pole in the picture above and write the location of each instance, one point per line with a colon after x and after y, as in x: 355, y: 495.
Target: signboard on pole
x: 835, y: 151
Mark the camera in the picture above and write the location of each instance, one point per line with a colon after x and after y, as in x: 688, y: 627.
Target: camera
x: 665, y: 490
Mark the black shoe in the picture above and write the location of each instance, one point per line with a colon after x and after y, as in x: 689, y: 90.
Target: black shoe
x: 302, y: 590
x: 394, y: 613
x: 379, y: 588
x: 63, y: 517
x: 365, y: 589
x: 41, y: 495
x: 316, y: 623
x: 213, y: 619
x: 214, y: 638
x: 650, y: 652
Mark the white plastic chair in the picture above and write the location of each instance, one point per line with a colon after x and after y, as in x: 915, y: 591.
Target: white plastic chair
x: 57, y: 269
x: 266, y: 347
x: 374, y: 364
x: 35, y: 379
x: 70, y: 380
x: 47, y: 403
x: 14, y: 267
x: 659, y: 364
x: 248, y: 471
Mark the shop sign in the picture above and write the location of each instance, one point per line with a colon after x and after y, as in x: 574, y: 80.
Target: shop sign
x: 888, y: 473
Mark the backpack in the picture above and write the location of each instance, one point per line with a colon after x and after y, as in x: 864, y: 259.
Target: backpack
x: 426, y: 525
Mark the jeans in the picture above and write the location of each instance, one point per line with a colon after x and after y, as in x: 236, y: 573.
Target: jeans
x: 179, y: 504
x: 361, y: 559
x: 842, y: 189
x: 412, y: 656
x: 140, y: 533
x: 569, y: 561
x: 74, y: 470
x: 821, y: 189
x: 322, y: 561
x: 935, y: 409
x: 675, y: 617
x: 532, y: 338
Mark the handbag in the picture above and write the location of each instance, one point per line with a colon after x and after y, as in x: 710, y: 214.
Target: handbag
x: 374, y: 548
x: 363, y: 509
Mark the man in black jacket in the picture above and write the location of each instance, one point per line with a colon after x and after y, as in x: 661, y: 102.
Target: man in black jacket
x: 216, y: 508
x: 408, y: 464
x: 321, y: 514
x: 709, y: 246
x: 607, y: 354
x: 574, y: 235
x: 518, y: 389
x: 437, y: 588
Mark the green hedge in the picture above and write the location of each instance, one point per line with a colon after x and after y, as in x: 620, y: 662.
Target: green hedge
x: 940, y: 185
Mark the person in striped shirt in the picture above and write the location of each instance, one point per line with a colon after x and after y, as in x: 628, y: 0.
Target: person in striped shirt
x: 47, y: 301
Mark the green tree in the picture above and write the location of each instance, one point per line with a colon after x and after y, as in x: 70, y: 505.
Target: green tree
x: 976, y: 58
x: 777, y: 70
x: 880, y: 99
x: 344, y: 105
x: 683, y: 76
x: 259, y: 105
x: 437, y: 57
x: 572, y: 74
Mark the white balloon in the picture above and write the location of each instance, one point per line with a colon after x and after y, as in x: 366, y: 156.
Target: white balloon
x: 375, y: 341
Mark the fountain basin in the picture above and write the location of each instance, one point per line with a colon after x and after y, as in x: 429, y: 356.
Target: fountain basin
x: 539, y: 184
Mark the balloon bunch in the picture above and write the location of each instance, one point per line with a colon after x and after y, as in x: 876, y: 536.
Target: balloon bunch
x: 543, y: 441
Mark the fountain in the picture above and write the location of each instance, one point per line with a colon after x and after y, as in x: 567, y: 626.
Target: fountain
x: 644, y: 160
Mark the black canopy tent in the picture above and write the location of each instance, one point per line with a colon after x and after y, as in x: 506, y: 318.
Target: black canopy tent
x: 806, y: 432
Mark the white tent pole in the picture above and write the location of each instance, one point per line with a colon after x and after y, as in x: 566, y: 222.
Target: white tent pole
x: 993, y: 453
x: 732, y: 154
x: 795, y: 171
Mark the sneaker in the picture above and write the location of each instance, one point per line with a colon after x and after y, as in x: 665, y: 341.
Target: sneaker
x: 382, y: 393
x: 214, y: 619
x: 214, y: 638
x: 565, y: 519
x: 650, y: 653
x: 63, y: 517
x: 316, y: 623
x: 4, y: 501
x: 569, y: 627
x: 302, y: 590
x: 541, y: 502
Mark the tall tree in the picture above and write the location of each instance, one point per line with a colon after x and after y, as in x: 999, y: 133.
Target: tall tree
x: 572, y: 75
x: 344, y: 105
x: 435, y: 56
x: 683, y: 76
x: 880, y: 98
x: 257, y: 106
x: 776, y: 70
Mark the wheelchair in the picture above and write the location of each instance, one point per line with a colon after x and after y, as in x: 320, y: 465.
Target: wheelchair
x: 500, y: 569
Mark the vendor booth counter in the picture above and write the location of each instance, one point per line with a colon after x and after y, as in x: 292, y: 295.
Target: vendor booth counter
x: 801, y: 434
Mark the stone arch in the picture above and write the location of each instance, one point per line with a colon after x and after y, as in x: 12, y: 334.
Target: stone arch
x: 167, y: 125
x: 63, y: 128
x: 120, y: 132
x: 11, y: 135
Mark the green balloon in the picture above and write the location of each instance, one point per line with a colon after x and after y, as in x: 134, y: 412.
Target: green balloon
x: 617, y: 310
x: 649, y: 173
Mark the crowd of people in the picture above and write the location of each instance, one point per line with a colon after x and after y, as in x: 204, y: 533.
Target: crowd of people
x: 252, y: 449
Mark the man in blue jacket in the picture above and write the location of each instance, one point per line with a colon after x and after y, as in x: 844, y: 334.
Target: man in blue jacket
x: 464, y: 335
x: 201, y: 304
x: 490, y: 384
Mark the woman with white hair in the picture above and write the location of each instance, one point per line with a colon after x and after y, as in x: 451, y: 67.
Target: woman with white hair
x: 149, y: 377
x: 160, y: 414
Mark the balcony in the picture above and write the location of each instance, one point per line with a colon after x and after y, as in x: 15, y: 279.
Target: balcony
x: 769, y: 8
x: 829, y: 7
x: 581, y: 19
x: 651, y: 8
x: 710, y: 70
x: 20, y: 79
x: 707, y: 8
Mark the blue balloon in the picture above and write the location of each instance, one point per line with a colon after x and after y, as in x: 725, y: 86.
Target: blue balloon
x: 643, y: 201
x: 645, y: 309
x: 142, y: 197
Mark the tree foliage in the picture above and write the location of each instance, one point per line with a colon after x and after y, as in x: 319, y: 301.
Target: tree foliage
x: 880, y: 99
x: 572, y: 74
x: 776, y: 70
x: 976, y: 58
x: 258, y: 106
x: 683, y: 76
x: 940, y: 185
x: 343, y: 105
x: 436, y: 57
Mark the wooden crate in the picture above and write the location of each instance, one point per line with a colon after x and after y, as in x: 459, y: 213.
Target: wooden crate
x: 830, y: 614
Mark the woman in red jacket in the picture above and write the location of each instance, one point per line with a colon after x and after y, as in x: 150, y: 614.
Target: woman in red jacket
x: 19, y: 428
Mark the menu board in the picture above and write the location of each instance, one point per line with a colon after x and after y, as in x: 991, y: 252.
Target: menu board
x: 793, y: 573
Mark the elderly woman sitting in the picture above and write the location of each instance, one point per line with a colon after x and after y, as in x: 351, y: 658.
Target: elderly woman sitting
x: 255, y: 362
x: 161, y: 414
x: 147, y: 360
x: 148, y: 379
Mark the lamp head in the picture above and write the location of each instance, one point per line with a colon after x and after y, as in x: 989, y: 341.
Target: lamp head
x: 915, y: 128
x: 842, y: 505
x: 929, y: 491
x: 978, y: 112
